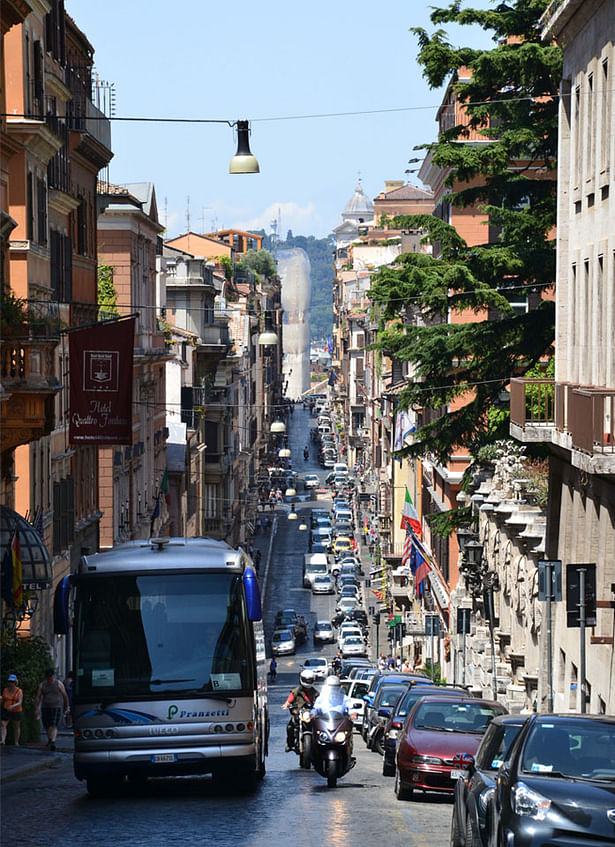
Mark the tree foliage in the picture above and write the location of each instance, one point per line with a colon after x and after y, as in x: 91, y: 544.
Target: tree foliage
x: 259, y: 261
x: 510, y: 100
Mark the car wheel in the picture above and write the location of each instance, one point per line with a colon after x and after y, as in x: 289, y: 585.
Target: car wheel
x: 471, y: 839
x: 378, y: 744
x: 402, y: 791
x: 456, y: 840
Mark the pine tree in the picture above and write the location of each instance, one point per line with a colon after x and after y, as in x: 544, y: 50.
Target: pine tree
x: 511, y: 99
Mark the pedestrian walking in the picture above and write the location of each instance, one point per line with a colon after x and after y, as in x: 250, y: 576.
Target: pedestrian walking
x: 12, y: 703
x: 257, y: 559
x: 51, y: 701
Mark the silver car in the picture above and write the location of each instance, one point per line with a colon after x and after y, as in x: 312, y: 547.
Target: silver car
x: 319, y: 665
x: 323, y: 584
x: 283, y: 643
x: 323, y: 633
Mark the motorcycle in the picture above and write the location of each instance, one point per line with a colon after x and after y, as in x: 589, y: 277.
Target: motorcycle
x: 306, y: 454
x: 303, y: 737
x: 332, y: 746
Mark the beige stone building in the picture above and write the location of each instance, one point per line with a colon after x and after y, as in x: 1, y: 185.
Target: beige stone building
x: 574, y: 413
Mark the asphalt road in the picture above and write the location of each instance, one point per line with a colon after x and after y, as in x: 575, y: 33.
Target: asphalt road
x: 291, y: 806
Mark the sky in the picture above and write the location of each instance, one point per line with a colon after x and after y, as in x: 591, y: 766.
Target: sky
x: 282, y: 66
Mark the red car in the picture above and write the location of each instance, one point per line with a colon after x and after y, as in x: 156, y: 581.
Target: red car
x: 435, y: 730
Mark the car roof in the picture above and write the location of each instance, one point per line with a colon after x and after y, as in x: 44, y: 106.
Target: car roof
x: 325, y: 623
x: 458, y: 701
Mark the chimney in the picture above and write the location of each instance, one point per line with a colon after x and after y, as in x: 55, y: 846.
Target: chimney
x: 392, y: 184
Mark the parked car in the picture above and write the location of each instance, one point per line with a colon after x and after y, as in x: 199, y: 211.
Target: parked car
x: 323, y: 633
x: 558, y: 784
x: 318, y: 513
x: 383, y: 676
x: 346, y: 604
x: 343, y: 527
x: 355, y: 662
x: 474, y: 791
x: 342, y: 544
x: 319, y: 665
x: 348, y: 628
x: 385, y: 699
x: 323, y: 584
x: 436, y: 729
x: 353, y: 645
x: 358, y: 616
x: 311, y: 480
x: 283, y: 642
x: 394, y: 718
x: 355, y: 689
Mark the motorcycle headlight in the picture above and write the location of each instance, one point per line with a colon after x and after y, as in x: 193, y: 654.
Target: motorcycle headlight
x: 427, y: 760
x: 484, y: 798
x: 306, y: 717
x: 323, y: 737
x: 339, y: 737
x: 529, y: 803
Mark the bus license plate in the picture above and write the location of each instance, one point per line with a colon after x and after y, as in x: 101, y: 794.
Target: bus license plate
x: 157, y: 758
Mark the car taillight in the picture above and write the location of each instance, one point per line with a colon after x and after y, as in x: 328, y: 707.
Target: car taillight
x: 396, y: 724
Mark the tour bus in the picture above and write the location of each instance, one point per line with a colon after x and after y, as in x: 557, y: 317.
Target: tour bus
x: 169, y: 661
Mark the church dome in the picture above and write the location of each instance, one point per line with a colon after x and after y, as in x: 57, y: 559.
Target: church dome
x: 359, y: 208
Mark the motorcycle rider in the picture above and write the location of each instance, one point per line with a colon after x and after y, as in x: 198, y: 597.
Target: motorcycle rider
x: 302, y: 695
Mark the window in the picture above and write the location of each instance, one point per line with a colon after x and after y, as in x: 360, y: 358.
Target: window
x: 605, y: 129
x: 61, y: 266
x: 63, y: 514
x: 30, y: 207
x: 54, y: 31
x: 41, y: 211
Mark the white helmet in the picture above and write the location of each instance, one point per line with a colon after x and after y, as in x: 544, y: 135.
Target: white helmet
x: 332, y: 682
x: 307, y: 677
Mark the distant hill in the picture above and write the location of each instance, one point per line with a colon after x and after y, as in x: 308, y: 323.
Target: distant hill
x: 320, y: 253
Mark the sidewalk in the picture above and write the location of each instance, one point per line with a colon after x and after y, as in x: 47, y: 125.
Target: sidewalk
x: 16, y: 762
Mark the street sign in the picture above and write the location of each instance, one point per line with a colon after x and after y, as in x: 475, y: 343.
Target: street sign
x: 463, y: 620
x: 573, y: 594
x: 555, y: 592
x: 432, y: 625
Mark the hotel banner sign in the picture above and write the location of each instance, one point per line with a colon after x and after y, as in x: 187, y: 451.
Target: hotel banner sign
x: 100, y: 376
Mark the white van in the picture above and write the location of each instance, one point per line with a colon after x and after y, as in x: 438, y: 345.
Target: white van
x: 314, y: 564
x: 340, y: 468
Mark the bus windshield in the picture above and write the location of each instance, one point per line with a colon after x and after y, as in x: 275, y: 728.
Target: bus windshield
x: 162, y: 634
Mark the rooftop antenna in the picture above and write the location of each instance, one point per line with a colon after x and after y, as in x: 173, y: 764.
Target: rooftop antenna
x: 188, y: 213
x: 203, y: 210
x: 166, y: 213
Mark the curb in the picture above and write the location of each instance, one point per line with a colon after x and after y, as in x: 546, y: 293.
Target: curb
x: 28, y: 770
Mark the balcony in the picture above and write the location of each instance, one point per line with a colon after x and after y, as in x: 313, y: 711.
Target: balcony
x: 578, y: 418
x: 28, y: 387
x: 215, y: 335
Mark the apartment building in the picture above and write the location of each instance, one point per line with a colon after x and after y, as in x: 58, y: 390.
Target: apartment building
x: 130, y: 476
x: 575, y: 412
x: 54, y: 143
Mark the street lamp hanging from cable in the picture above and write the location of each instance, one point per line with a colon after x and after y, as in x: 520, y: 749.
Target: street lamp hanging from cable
x: 243, y: 162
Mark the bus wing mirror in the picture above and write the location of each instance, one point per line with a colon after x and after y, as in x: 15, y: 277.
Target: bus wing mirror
x: 253, y: 595
x: 61, y: 623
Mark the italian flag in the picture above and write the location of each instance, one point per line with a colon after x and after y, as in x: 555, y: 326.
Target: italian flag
x: 410, y: 519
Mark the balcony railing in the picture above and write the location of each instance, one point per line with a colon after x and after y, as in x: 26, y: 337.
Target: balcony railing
x: 532, y: 401
x: 217, y: 335
x: 584, y: 413
x: 591, y: 419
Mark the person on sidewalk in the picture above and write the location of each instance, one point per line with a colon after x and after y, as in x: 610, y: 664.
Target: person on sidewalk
x: 51, y: 700
x: 12, y: 701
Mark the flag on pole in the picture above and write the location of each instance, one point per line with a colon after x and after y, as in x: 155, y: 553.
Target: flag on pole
x: 410, y: 518
x: 407, y: 548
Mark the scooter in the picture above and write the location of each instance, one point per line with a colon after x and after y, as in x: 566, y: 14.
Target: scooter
x: 303, y: 738
x: 332, y: 746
